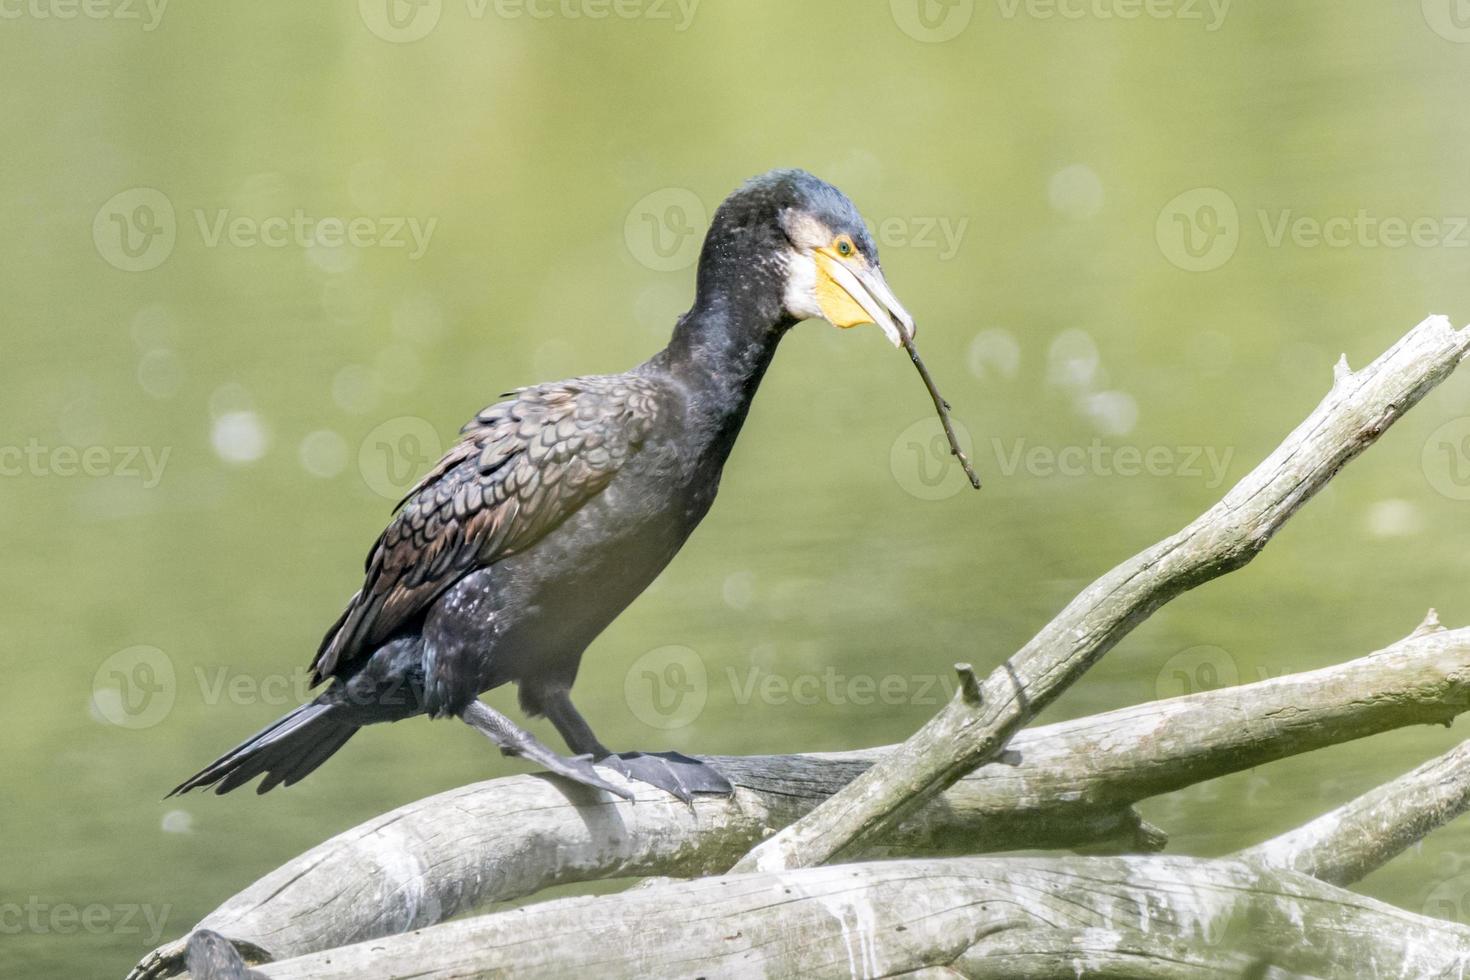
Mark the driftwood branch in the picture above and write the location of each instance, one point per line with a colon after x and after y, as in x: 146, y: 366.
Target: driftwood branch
x: 978, y: 917
x: 1359, y: 408
x: 1254, y: 915
x: 1074, y: 786
x: 1361, y: 836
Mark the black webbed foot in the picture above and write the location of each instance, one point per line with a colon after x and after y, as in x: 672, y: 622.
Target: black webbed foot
x: 670, y: 771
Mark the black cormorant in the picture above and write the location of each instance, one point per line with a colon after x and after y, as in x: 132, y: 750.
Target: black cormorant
x: 559, y: 506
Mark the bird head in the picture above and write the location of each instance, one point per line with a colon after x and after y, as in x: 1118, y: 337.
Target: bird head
x: 817, y: 247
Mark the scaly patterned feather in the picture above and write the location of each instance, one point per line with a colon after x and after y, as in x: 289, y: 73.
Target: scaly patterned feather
x: 521, y: 468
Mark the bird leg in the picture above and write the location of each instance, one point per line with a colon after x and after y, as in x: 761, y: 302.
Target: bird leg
x: 514, y: 740
x: 672, y: 772
x: 557, y: 706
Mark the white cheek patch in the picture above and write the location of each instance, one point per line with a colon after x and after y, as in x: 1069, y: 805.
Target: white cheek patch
x: 800, y: 295
x: 805, y: 231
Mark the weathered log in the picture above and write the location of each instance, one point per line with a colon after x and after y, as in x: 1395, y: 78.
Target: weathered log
x: 1074, y: 786
x: 1361, y: 836
x: 1103, y: 954
x: 979, y: 917
x: 976, y: 725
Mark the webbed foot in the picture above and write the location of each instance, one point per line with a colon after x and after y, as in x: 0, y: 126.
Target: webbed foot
x: 672, y: 772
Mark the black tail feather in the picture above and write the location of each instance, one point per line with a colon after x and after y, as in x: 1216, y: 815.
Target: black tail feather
x: 286, y: 751
x: 288, y: 772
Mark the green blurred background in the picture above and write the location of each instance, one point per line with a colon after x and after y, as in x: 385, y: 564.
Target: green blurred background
x: 202, y: 434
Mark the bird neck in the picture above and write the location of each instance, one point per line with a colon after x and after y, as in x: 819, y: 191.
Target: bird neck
x: 719, y: 352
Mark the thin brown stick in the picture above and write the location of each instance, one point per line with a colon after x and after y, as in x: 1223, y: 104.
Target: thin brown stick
x: 942, y: 407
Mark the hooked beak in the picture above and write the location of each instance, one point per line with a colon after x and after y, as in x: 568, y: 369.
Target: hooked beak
x: 851, y: 291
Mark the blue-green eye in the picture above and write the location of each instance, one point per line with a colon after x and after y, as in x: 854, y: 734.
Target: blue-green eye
x: 844, y: 247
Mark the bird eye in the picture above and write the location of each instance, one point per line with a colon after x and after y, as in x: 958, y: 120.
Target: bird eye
x: 844, y: 246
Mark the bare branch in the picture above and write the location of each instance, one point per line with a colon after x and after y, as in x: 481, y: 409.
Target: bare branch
x: 1365, y: 834
x: 507, y: 838
x: 974, y: 916
x: 1103, y: 954
x: 1360, y: 406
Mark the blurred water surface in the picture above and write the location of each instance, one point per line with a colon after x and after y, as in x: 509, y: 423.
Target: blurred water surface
x: 262, y: 261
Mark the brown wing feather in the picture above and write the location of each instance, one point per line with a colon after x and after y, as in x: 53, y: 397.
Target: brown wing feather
x: 520, y: 468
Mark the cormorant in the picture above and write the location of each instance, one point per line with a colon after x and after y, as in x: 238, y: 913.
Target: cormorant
x: 559, y: 506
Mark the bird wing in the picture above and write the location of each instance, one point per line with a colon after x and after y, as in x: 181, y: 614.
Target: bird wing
x: 521, y: 467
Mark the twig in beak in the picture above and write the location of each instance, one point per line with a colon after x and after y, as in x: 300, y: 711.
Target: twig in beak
x: 942, y: 407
